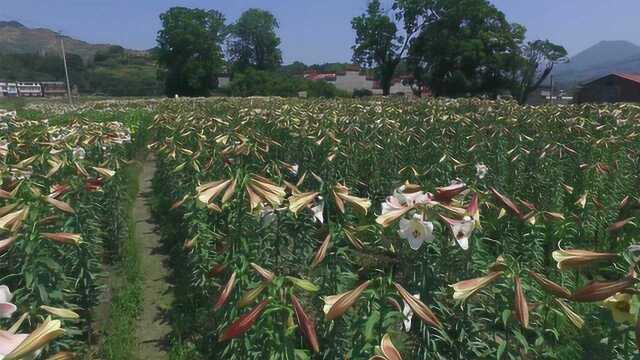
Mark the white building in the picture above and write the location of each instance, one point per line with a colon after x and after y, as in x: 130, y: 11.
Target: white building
x: 355, y: 79
x: 8, y: 88
x: 29, y: 89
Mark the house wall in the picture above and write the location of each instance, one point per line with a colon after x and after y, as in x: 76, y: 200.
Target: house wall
x: 610, y: 89
x: 353, y: 80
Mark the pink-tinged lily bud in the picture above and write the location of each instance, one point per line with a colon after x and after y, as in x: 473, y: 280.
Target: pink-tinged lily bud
x: 226, y: 291
x: 6, y: 244
x: 306, y: 324
x: 216, y: 270
x: 467, y: 288
x: 299, y: 201
x: 506, y: 202
x: 573, y: 259
x: 550, y: 287
x: 346, y: 301
x: 63, y: 238
x: 267, y: 275
x: 341, y: 195
x: 388, y: 349
x: 623, y: 204
x: 598, y: 291
x: 244, y: 323
x: 418, y: 307
x: 179, y: 203
x: 388, y: 218
x: 322, y: 251
x: 60, y: 205
x: 231, y: 189
x: 208, y: 191
x: 447, y: 193
x: 473, y: 210
x: 521, y: 308
x: 617, y: 226
x: 554, y: 216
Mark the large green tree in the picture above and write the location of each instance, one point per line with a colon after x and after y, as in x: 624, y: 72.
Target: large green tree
x: 254, y: 42
x: 190, y: 49
x: 380, y: 43
x: 463, y: 47
x: 538, y: 59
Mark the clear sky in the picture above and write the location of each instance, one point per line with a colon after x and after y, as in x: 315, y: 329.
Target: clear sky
x: 317, y: 31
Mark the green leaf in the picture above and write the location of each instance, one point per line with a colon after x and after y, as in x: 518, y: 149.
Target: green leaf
x: 303, y: 284
x: 372, y: 321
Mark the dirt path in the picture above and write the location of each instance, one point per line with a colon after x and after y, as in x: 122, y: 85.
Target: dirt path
x: 152, y: 329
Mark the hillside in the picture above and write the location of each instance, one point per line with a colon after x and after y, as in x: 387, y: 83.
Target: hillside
x: 600, y: 59
x: 16, y: 38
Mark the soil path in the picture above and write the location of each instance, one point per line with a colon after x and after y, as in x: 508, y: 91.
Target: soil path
x: 152, y: 329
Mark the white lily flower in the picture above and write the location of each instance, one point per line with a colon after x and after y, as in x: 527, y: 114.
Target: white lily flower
x: 6, y: 307
x: 318, y: 211
x: 79, y: 153
x: 416, y: 231
x: 481, y: 170
x: 462, y: 231
x: 10, y: 341
x: 408, y: 313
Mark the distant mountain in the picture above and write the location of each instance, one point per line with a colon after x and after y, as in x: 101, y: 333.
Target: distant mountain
x: 16, y: 38
x: 599, y: 60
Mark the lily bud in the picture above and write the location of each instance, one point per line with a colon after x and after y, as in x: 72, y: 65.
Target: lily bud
x: 388, y: 349
x: 572, y: 259
x: 598, y: 291
x: 467, y: 288
x: 550, y: 287
x: 346, y: 301
x: 298, y: 201
x: 267, y: 275
x: 521, y: 307
x: 572, y: 316
x: 251, y: 295
x: 418, y: 307
x: 244, y: 323
x: 447, y: 193
x: 322, y: 251
x: 44, y: 334
x: 306, y: 324
x: 63, y: 238
x: 226, y: 291
x: 506, y: 202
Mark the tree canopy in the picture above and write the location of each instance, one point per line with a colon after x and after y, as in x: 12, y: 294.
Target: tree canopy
x: 254, y: 42
x: 190, y: 49
x: 378, y: 43
x: 538, y: 59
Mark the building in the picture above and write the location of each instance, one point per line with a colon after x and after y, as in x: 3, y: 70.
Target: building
x: 8, y: 88
x: 53, y: 88
x: 29, y: 89
x: 611, y: 89
x: 354, y: 78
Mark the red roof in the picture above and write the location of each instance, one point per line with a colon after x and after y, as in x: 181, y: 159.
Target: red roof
x: 320, y: 76
x: 632, y: 77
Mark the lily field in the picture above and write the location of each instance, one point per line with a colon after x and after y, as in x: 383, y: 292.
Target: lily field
x: 325, y: 229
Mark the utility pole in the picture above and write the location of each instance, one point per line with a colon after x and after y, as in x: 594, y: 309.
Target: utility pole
x: 66, y: 71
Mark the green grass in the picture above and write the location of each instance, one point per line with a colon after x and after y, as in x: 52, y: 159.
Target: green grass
x: 120, y: 340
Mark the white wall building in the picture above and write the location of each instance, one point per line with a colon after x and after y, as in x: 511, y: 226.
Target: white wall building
x: 29, y: 89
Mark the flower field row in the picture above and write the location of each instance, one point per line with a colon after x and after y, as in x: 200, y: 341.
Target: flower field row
x: 304, y: 229
x: 422, y: 230
x: 60, y: 218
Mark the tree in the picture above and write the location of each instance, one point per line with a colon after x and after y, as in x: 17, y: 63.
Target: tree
x: 378, y: 43
x: 254, y: 42
x: 463, y: 47
x: 538, y: 59
x: 190, y: 49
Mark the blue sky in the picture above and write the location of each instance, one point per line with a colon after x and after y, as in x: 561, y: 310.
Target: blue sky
x: 317, y: 31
